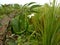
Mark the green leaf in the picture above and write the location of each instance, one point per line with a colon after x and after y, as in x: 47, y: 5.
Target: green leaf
x: 31, y: 3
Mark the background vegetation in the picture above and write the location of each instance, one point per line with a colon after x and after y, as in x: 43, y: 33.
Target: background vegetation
x: 32, y: 24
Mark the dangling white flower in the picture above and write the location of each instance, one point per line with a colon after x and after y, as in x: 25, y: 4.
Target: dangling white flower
x: 31, y: 15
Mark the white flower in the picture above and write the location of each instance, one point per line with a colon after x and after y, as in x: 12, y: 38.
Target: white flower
x: 31, y: 15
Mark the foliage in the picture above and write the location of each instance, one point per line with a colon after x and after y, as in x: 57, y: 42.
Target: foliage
x: 43, y: 28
